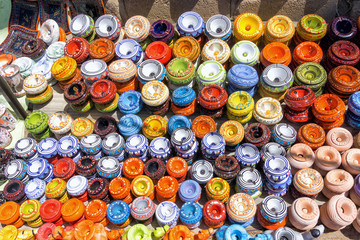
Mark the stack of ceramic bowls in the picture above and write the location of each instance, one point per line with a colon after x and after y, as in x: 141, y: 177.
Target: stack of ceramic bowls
x: 16, y: 170
x: 113, y: 145
x: 34, y: 49
x: 245, y: 52
x: 180, y: 72
x: 275, y: 80
x: 189, y: 48
x: 83, y: 26
x: 279, y: 28
x: 248, y: 155
x: 284, y: 134
x: 119, y: 189
x: 311, y: 75
x: 241, y: 209
x: 201, y: 171
x: 137, y: 28
x: 118, y: 212
x: 68, y: 147
x: 122, y: 72
x: 242, y: 78
x: 268, y: 111
x: 210, y: 72
x: 212, y: 146
x: 60, y: 123
x: 183, y: 101
x: 249, y: 181
x: 298, y: 101
x: 37, y: 89
x: 343, y: 81
x: 93, y: 70
x: 218, y: 27
x: 330, y: 216
x: 65, y: 71
x: 342, y: 53
x: 226, y: 167
x: 14, y: 191
x: 162, y: 30
x: 311, y: 27
x: 77, y: 94
x: 150, y: 70
x: 39, y: 168
x: 353, y: 113
x: 342, y: 28
x: 30, y: 213
x: 26, y: 148
x: 160, y: 148
x: 217, y: 189
x: 37, y: 124
x: 191, y: 214
x: 137, y: 146
x: 239, y: 106
x: 102, y: 49
x: 337, y: 182
x: 155, y: 95
x: 190, y: 191
x: 10, y: 215
x: 35, y: 189
x: 77, y: 186
x: 167, y: 213
x: 248, y: 26
x: 108, y: 167
x: 329, y: 110
x: 307, y: 183
x: 56, y: 189
x: 300, y: 156
x: 166, y: 189
x: 104, y: 95
x: 142, y: 209
x: 130, y: 49
x: 86, y: 166
x: 158, y: 51
x: 306, y: 52
x: 212, y: 99
x: 90, y: 145
x: 304, y: 220
x: 272, y: 212
x: 312, y: 135
x: 190, y: 24
x: 154, y: 126
x: 77, y: 48
x: 271, y: 149
x: 184, y: 142
x: 129, y: 124
x: 233, y: 133
x: 277, y: 175
x: 217, y: 50
x: 25, y: 65
x: 108, y: 26
x: 130, y: 102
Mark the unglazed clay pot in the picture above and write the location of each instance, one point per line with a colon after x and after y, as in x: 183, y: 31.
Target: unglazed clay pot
x: 327, y: 158
x: 339, y: 138
x: 351, y: 161
x: 300, y: 156
x: 304, y: 213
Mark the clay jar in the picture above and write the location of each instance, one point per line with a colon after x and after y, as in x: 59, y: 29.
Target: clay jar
x: 77, y: 48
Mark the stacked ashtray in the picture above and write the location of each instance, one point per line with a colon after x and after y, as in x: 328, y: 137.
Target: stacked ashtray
x: 300, y: 156
x: 275, y: 80
x: 241, y: 209
x: 47, y: 148
x: 160, y: 148
x: 177, y: 168
x: 183, y: 101
x: 271, y: 149
x: 143, y: 186
x: 239, y: 106
x: 162, y: 30
x: 104, y: 94
x: 98, y: 188
x: 123, y: 74
x: 91, y: 145
x: 248, y: 155
x: 142, y: 209
x: 35, y: 189
x: 77, y: 48
x: 275, y: 53
x: 150, y: 70
x: 298, y: 101
x: 108, y: 26
x: 167, y: 213
x: 343, y: 81
x: 155, y: 95
x: 341, y: 28
x: 154, y: 126
x: 306, y: 52
x: 279, y: 28
x: 93, y: 70
x: 130, y: 102
x: 304, y: 220
x: 307, y: 183
x: 233, y: 134
x: 113, y: 145
x: 248, y: 26
x: 86, y: 167
x: 119, y: 189
x: 217, y: 50
x: 245, y: 52
x: 69, y: 147
x: 60, y: 123
x: 40, y: 168
x: 212, y: 146
x: 180, y: 72
x: 189, y: 48
x: 14, y: 191
x: 26, y: 148
x: 34, y: 48
x: 212, y: 99
x: 81, y: 127
x: 201, y: 171
x: 249, y: 181
x: 65, y: 71
x: 278, y: 176
x: 64, y: 168
x: 210, y: 72
x: 37, y: 124
x: 214, y: 213
x: 37, y: 89
x: 132, y: 168
x: 329, y: 110
x: 191, y: 214
x: 158, y: 51
x: 226, y: 167
x: 30, y: 213
x: 166, y: 189
x: 129, y: 125
x: 311, y: 27
x: 242, y: 78
x: 155, y: 168
x: 83, y: 26
x: 108, y: 167
x: 311, y: 75
x: 190, y: 24
x: 312, y: 135
x: 217, y: 189
x: 268, y: 111
x: 353, y: 113
x: 105, y: 125
x: 130, y: 49
x: 95, y: 211
x: 77, y: 187
x: 54, y: 51
x: 202, y: 125
x: 284, y: 134
x: 137, y: 146
x: 218, y: 27
x: 10, y: 216
x: 77, y: 94
x: 56, y: 189
x: 12, y: 75
x: 16, y: 170
x: 272, y: 212
x: 118, y: 212
x: 25, y: 65
x: 342, y: 53
x: 190, y: 191
x: 137, y: 28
